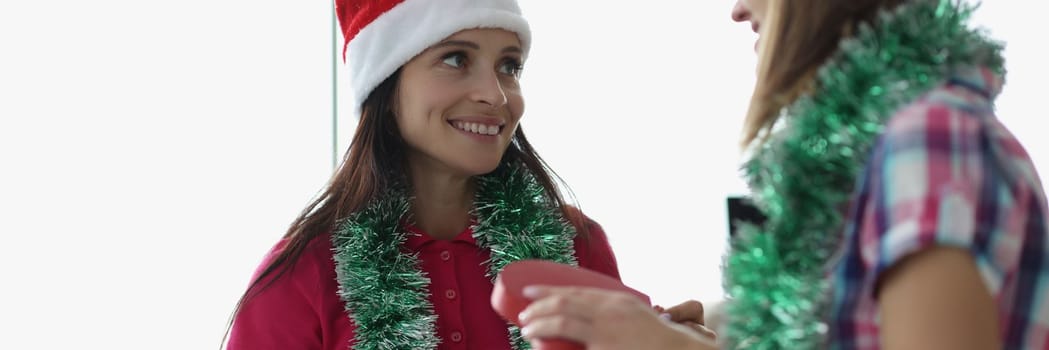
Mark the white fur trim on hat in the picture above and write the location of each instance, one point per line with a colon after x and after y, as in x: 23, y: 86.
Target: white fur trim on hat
x: 397, y: 36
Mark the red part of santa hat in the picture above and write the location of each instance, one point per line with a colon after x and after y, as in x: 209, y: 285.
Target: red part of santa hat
x: 383, y: 35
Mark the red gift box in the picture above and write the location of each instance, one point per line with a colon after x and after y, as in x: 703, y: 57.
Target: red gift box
x: 508, y: 297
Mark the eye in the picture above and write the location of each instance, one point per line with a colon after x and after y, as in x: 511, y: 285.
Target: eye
x: 511, y: 66
x: 454, y: 59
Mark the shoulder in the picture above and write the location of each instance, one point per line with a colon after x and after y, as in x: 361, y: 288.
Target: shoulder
x: 283, y: 308
x: 949, y: 118
x: 936, y: 137
x: 314, y: 255
x: 294, y: 268
x: 929, y: 123
x: 952, y: 134
x: 592, y: 247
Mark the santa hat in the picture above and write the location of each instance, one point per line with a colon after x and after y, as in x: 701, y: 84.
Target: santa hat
x: 383, y: 35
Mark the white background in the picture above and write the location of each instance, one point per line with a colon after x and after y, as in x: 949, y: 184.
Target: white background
x: 151, y: 152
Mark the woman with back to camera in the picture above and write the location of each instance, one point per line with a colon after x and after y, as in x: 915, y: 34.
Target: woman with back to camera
x: 901, y: 213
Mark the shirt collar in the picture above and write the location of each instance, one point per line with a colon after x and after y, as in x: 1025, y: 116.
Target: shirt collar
x: 417, y: 239
x: 982, y: 79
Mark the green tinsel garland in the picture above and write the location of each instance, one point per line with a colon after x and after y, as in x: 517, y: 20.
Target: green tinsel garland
x: 386, y: 294
x: 804, y: 175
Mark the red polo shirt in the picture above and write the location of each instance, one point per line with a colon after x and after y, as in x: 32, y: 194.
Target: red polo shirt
x: 303, y: 311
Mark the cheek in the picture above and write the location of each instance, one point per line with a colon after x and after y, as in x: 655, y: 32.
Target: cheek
x: 411, y: 115
x: 516, y: 105
x: 422, y: 93
x: 757, y: 8
x: 417, y: 102
x: 403, y: 108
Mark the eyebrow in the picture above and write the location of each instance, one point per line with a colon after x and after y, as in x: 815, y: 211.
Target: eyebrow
x: 473, y: 45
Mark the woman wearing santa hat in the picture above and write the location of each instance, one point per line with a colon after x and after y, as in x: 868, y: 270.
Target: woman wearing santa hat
x: 438, y: 191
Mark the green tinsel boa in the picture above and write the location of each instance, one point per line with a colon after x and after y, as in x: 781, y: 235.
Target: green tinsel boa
x: 776, y: 274
x: 386, y: 294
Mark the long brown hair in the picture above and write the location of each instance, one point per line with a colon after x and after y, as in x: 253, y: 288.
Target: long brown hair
x: 797, y: 37
x: 375, y: 160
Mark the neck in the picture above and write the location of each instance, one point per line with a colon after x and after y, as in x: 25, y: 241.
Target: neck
x: 442, y: 200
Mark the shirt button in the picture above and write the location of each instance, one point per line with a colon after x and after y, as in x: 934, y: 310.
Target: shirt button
x: 450, y: 294
x: 445, y: 255
x: 457, y: 337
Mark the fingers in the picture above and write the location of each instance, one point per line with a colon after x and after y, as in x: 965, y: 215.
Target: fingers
x: 558, y: 301
x: 565, y: 312
x: 562, y: 327
x: 537, y: 292
x: 690, y: 314
x: 701, y: 330
x: 689, y: 311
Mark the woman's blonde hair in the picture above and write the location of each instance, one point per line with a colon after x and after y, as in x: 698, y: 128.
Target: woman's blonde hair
x: 797, y: 37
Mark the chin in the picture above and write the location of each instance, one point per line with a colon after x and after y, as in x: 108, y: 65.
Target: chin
x: 481, y: 169
x: 475, y: 166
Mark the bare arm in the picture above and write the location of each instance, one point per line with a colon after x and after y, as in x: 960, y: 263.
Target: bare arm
x: 936, y: 299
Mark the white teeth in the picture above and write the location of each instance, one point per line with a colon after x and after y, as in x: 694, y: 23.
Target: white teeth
x: 477, y: 128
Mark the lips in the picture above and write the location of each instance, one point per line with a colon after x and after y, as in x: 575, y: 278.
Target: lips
x: 484, y: 126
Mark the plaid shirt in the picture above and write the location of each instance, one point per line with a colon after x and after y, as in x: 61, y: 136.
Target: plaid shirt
x: 946, y: 172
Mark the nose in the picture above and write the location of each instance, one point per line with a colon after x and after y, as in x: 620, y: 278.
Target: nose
x: 740, y: 12
x: 487, y: 89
